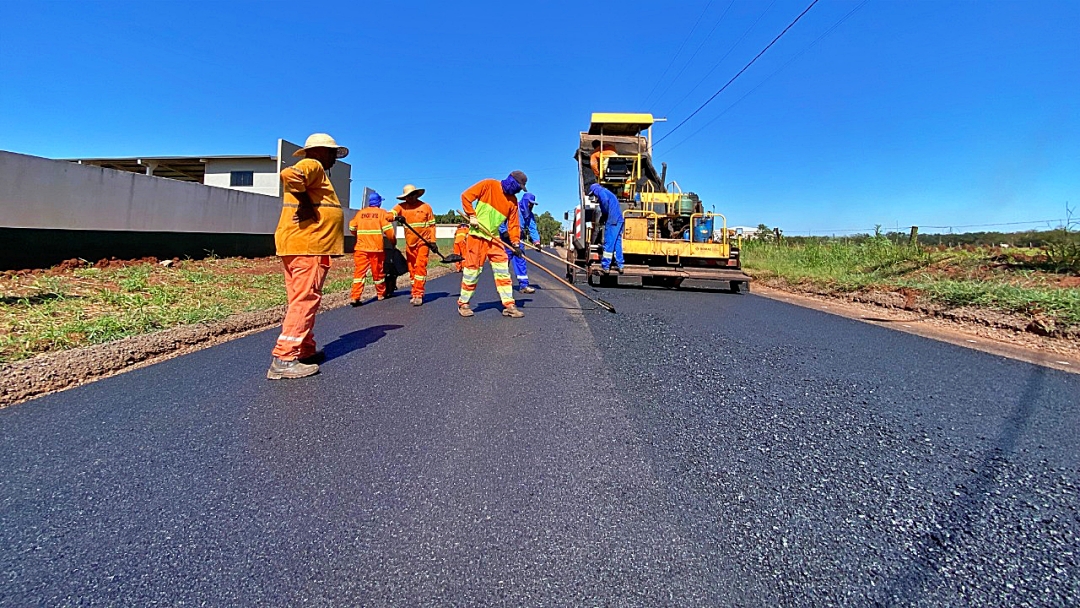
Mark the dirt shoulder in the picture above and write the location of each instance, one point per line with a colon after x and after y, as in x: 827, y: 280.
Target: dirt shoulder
x: 52, y: 372
x: 1012, y: 335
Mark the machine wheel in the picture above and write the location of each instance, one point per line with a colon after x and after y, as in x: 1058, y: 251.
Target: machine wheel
x: 739, y: 287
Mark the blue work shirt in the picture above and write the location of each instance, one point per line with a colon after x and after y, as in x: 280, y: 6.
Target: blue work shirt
x: 610, y: 211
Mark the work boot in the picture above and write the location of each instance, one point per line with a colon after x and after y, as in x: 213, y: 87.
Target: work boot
x: 512, y: 311
x: 355, y: 303
x: 619, y: 270
x: 528, y: 289
x: 314, y: 358
x: 464, y: 310
x: 416, y: 301
x: 290, y: 369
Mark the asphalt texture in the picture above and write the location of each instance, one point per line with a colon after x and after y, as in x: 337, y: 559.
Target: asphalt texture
x: 698, y: 448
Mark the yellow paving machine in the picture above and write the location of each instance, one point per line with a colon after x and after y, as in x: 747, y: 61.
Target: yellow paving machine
x: 668, y: 236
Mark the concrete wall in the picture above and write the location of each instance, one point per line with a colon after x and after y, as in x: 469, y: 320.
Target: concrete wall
x: 57, y: 194
x: 442, y: 231
x: 51, y: 210
x: 266, y: 179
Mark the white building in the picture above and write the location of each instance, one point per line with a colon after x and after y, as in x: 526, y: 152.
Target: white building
x: 258, y: 174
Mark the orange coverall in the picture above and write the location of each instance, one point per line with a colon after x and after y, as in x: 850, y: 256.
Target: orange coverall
x: 370, y: 225
x: 460, y: 235
x: 492, y: 208
x: 305, y: 249
x: 420, y: 216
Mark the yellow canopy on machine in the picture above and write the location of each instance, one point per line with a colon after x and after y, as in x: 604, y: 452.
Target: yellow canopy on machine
x: 616, y: 123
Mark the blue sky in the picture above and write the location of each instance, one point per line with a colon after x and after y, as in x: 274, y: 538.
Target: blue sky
x: 939, y: 113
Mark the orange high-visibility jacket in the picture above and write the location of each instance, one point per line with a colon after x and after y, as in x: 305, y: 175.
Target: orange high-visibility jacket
x: 492, y: 208
x: 460, y: 234
x: 420, y: 216
x: 324, y: 235
x: 370, y: 225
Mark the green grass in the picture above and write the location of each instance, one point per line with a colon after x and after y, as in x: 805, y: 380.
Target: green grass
x: 951, y: 277
x: 90, y: 306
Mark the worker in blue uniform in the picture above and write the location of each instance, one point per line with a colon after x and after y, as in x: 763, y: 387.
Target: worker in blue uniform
x: 612, y: 218
x: 527, y: 220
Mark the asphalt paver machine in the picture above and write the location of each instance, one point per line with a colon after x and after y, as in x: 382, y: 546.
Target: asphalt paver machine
x: 668, y: 237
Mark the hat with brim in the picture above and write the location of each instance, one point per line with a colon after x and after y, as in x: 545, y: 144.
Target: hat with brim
x: 411, y: 190
x: 321, y: 140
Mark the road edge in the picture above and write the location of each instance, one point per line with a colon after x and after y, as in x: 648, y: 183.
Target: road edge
x: 1055, y: 353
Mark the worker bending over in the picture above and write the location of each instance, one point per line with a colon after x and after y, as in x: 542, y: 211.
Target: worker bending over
x: 309, y: 232
x: 418, y: 214
x: 369, y: 226
x: 528, y: 228
x: 488, y: 204
x: 612, y: 218
x: 460, y: 235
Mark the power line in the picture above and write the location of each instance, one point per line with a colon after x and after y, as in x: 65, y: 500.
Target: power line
x: 778, y: 36
x: 698, y: 49
x: 769, y: 77
x: 676, y: 55
x: 721, y: 60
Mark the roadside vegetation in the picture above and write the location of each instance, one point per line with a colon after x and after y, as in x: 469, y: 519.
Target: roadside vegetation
x: 78, y: 304
x: 1038, y: 282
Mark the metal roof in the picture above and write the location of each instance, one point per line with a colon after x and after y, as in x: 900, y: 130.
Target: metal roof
x: 183, y: 168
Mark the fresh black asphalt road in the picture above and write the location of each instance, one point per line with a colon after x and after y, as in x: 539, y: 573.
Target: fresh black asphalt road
x: 696, y: 449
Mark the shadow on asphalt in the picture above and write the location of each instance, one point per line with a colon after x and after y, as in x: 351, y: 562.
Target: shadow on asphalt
x: 495, y: 306
x: 355, y: 340
x: 968, y: 509
x: 431, y: 297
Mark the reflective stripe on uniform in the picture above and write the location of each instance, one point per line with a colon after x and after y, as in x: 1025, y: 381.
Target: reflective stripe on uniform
x: 609, y: 254
x: 380, y: 281
x: 420, y: 277
x: 285, y: 338
x: 360, y: 280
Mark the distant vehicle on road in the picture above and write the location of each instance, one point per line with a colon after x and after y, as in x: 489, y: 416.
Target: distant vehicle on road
x: 668, y: 236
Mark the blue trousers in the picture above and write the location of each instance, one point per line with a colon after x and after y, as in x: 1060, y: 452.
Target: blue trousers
x: 521, y: 269
x: 612, y: 245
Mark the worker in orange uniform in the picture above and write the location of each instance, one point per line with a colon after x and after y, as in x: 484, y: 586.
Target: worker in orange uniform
x: 369, y: 226
x: 598, y: 158
x: 309, y: 232
x: 419, y: 215
x: 488, y: 204
x: 460, y: 235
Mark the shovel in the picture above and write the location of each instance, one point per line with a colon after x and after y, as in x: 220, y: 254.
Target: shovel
x: 453, y: 258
